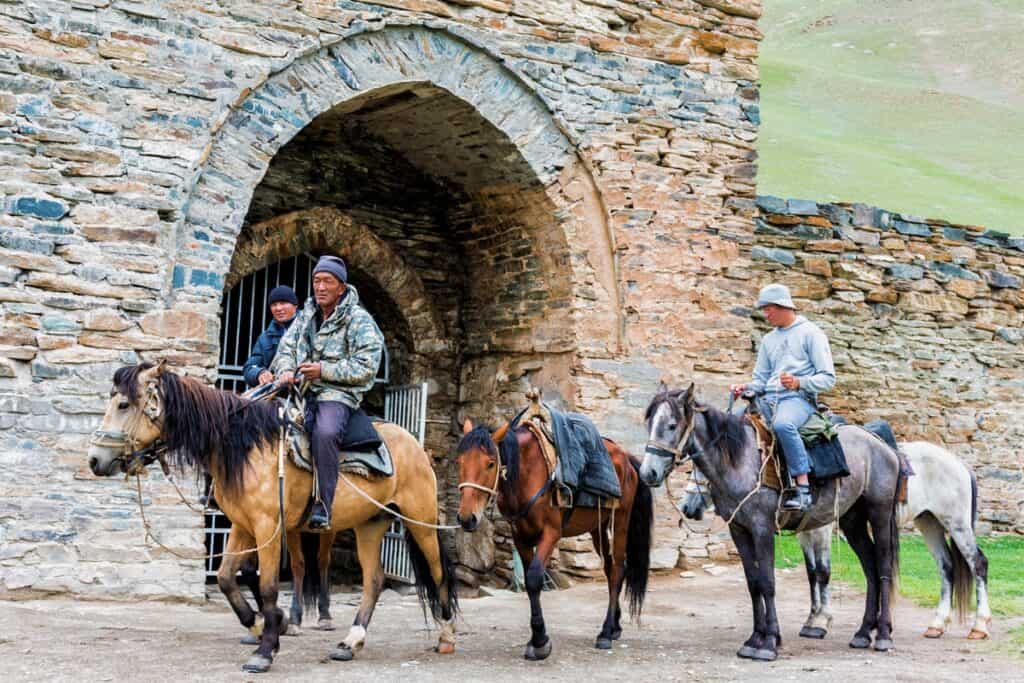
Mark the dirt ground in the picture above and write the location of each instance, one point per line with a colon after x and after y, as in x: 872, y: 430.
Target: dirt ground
x: 691, y: 630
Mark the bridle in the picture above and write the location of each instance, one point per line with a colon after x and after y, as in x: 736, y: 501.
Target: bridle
x: 133, y: 460
x: 492, y: 492
x: 680, y: 453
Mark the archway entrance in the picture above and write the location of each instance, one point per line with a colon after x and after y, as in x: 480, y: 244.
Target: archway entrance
x: 478, y: 238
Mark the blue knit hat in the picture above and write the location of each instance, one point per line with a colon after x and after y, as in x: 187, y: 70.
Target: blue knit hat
x: 333, y: 265
x: 283, y: 293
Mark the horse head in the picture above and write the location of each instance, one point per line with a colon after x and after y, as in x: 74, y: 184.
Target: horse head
x: 669, y: 420
x: 132, y: 419
x: 479, y: 471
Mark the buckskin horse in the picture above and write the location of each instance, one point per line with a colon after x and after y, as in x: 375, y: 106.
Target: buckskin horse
x: 724, y: 447
x: 237, y: 442
x: 508, y: 467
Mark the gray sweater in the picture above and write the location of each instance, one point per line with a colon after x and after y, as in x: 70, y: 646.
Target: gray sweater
x: 802, y: 350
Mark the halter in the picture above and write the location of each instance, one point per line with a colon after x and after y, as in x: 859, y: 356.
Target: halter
x: 492, y: 493
x: 676, y: 453
x: 132, y: 459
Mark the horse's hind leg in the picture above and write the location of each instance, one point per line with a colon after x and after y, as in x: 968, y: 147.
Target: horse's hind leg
x: 855, y: 527
x: 430, y: 562
x: 324, y: 567
x: 368, y: 541
x: 613, y: 559
x: 935, y: 538
x: 967, y: 544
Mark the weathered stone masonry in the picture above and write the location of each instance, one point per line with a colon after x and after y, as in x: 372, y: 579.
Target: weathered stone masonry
x: 595, y: 159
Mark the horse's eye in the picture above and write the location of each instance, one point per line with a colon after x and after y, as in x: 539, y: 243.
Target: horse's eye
x: 673, y: 426
x: 123, y: 405
x: 490, y: 464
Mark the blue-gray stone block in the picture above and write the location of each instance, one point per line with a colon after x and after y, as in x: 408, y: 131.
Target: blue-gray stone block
x: 914, y: 229
x: 783, y: 256
x: 952, y: 270
x: 40, y: 207
x: 905, y: 271
x: 1002, y: 280
x: 803, y: 207
x: 770, y: 204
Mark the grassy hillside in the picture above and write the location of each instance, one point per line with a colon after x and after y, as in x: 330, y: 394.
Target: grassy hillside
x: 912, y: 105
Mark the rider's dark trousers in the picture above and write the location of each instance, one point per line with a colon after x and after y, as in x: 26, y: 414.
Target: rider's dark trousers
x: 325, y: 442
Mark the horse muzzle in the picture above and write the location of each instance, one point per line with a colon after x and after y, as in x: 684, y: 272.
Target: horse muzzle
x: 470, y: 523
x: 104, y: 463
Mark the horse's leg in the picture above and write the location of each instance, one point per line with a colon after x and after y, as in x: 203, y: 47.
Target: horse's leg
x: 744, y: 542
x: 764, y: 544
x: 429, y: 545
x: 298, y: 566
x: 967, y: 544
x: 227, y: 580
x: 883, y: 531
x: 823, y: 560
x: 935, y: 538
x: 324, y: 567
x: 273, y: 617
x: 248, y: 576
x: 816, y: 563
x: 539, y: 646
x: 368, y: 540
x: 612, y: 559
x: 855, y: 527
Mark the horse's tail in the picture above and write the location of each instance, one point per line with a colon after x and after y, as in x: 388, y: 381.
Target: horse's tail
x: 311, y: 561
x: 894, y: 532
x: 963, y: 578
x: 427, y: 589
x: 638, y: 543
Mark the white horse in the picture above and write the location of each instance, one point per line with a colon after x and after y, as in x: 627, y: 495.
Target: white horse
x: 942, y: 497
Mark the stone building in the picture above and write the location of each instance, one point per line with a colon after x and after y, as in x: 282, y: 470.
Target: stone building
x: 553, y: 193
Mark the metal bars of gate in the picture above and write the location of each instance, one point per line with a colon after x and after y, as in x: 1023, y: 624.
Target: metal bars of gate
x: 406, y: 406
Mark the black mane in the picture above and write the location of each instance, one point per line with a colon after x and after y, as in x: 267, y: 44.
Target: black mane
x: 480, y: 438
x: 205, y: 427
x: 727, y: 430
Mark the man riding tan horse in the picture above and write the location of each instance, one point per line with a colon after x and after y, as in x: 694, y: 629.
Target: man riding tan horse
x: 794, y: 365
x: 336, y: 346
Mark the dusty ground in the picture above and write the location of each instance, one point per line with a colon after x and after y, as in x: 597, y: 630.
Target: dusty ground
x: 691, y: 630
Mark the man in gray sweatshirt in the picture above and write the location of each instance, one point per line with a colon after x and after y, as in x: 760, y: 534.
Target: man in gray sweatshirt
x: 794, y: 365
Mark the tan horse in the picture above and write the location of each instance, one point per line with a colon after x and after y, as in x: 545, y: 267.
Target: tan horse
x: 236, y: 442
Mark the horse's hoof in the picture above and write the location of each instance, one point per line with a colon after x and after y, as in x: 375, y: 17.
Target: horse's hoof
x: 535, y: 654
x: 342, y: 653
x: 933, y: 632
x: 764, y: 655
x: 977, y: 634
x: 860, y: 642
x: 292, y: 630
x: 257, y: 664
x: 249, y: 639
x: 603, y: 643
x: 325, y: 625
x: 445, y: 648
x: 616, y: 634
x: 813, y: 632
x: 884, y: 644
x: 746, y: 652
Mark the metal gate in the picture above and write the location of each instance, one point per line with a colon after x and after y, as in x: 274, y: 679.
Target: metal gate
x: 406, y: 406
x: 244, y: 316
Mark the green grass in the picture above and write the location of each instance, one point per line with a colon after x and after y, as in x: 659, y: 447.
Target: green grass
x: 919, y: 580
x: 915, y: 107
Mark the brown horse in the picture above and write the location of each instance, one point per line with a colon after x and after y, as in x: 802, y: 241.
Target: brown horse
x: 236, y: 442
x: 508, y: 465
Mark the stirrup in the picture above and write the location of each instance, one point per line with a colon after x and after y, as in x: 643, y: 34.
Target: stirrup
x: 320, y: 518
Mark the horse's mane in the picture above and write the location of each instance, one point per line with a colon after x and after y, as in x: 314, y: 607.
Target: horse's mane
x: 480, y: 437
x: 727, y: 429
x: 205, y: 427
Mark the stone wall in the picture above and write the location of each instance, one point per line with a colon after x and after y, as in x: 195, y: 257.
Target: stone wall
x: 926, y: 322
x: 139, y: 147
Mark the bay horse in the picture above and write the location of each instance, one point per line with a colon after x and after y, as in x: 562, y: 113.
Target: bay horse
x: 724, y: 447
x: 509, y: 468
x: 236, y: 442
x: 942, y: 499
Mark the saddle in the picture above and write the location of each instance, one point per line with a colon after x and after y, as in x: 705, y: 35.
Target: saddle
x: 363, y: 452
x: 538, y: 419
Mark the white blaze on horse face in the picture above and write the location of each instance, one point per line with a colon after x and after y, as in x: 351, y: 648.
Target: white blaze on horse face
x: 664, y: 430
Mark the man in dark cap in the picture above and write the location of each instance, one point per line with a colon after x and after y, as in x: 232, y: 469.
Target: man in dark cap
x: 283, y: 305
x: 334, y: 344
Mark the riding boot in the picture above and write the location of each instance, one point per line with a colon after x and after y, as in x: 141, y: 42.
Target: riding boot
x: 800, y: 501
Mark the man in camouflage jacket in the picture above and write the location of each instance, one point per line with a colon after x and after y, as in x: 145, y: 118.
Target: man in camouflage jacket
x: 335, y: 344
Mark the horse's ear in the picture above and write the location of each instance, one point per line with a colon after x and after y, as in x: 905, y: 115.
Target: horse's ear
x: 690, y: 393
x: 662, y: 387
x: 161, y: 366
x: 499, y: 435
x: 467, y: 426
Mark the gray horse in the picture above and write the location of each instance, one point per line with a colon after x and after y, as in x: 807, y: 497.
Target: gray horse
x: 724, y: 446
